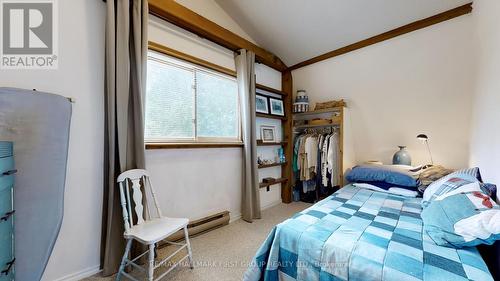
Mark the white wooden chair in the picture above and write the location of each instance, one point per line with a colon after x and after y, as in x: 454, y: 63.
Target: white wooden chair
x: 149, y: 231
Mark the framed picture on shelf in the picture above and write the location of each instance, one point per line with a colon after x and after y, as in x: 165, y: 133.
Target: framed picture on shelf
x: 268, y: 134
x: 277, y: 107
x: 261, y: 104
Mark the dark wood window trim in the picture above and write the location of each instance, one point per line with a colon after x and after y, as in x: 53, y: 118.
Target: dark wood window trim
x: 203, y: 63
x: 212, y: 66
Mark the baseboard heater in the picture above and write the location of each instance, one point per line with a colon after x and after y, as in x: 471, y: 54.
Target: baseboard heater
x: 200, y: 226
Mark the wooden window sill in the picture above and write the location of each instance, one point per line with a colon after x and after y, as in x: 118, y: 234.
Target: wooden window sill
x: 150, y: 146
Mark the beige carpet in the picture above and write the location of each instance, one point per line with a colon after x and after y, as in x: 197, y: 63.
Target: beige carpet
x: 223, y: 254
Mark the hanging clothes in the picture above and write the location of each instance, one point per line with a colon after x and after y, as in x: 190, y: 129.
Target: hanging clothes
x: 324, y: 161
x: 302, y: 163
x: 295, y: 164
x: 333, y: 159
x: 316, y: 161
x: 311, y: 151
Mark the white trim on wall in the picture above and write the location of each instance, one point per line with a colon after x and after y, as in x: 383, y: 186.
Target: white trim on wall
x: 79, y: 275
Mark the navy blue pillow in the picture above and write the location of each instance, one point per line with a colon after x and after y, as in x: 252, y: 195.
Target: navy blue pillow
x: 378, y: 173
x: 490, y: 189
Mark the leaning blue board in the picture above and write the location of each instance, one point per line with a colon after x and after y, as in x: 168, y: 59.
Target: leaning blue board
x: 6, y: 212
x: 359, y: 234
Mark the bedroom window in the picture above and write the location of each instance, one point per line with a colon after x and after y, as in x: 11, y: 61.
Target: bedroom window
x: 186, y: 103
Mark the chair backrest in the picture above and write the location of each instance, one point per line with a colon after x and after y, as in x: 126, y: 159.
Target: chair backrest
x: 135, y: 177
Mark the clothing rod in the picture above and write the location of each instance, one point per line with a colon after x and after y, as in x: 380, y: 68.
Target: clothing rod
x: 300, y: 127
x: 318, y: 130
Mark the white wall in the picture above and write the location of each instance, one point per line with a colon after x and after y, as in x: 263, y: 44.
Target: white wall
x: 194, y: 183
x: 80, y: 75
x: 417, y: 83
x: 485, y: 136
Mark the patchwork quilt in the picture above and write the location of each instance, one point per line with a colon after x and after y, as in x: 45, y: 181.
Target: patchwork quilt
x: 359, y: 234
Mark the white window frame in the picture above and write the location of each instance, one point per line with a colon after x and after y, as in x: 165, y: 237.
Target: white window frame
x: 194, y: 68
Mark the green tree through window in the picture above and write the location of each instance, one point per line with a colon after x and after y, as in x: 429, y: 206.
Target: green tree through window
x: 185, y: 102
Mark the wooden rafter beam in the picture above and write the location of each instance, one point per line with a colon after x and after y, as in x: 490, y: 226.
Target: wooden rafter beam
x: 183, y: 17
x: 450, y: 14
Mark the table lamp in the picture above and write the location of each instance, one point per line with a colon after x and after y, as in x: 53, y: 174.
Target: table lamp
x: 425, y: 139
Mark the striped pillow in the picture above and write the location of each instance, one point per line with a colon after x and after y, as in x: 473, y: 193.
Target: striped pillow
x: 446, y: 187
x: 467, y: 175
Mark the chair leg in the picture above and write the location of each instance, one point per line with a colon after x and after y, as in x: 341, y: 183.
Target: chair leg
x: 186, y: 234
x: 151, y: 262
x: 124, y: 259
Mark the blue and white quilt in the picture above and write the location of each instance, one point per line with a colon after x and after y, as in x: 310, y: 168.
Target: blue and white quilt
x: 359, y: 234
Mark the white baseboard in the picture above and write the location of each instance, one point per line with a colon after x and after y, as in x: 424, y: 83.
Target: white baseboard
x: 77, y: 276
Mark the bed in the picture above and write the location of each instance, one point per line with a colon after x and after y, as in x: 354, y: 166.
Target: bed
x: 360, y: 234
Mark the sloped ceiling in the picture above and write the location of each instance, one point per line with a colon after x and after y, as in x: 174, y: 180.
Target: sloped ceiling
x: 297, y: 30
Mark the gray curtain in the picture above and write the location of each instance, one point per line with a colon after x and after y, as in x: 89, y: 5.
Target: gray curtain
x: 126, y: 57
x: 245, y: 74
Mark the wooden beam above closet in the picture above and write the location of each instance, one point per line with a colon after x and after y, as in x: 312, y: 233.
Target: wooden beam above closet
x: 450, y: 14
x: 183, y: 17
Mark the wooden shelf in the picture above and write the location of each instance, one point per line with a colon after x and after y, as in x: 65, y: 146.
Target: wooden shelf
x: 260, y: 143
x: 269, y: 89
x: 278, y: 181
x: 316, y: 112
x: 262, y: 166
x: 271, y: 116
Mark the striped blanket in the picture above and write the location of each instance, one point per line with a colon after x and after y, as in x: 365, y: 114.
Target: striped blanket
x: 359, y: 234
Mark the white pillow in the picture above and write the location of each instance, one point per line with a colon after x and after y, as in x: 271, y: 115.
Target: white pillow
x: 484, y: 225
